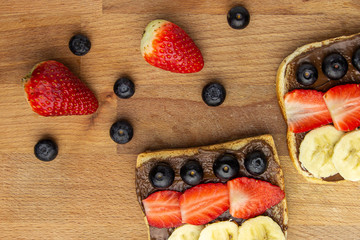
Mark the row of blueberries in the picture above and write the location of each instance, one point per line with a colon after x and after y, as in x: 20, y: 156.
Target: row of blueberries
x: 334, y: 66
x: 225, y: 167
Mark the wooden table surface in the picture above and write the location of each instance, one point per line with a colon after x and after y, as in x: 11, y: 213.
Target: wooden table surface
x: 88, y: 191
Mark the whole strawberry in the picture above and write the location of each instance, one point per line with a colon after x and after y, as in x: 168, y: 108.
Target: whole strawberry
x: 166, y: 46
x: 53, y: 90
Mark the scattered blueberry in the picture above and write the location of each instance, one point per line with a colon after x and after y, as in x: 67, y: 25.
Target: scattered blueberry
x: 256, y: 163
x: 213, y: 94
x: 191, y: 172
x: 161, y: 175
x: 356, y: 59
x: 238, y: 17
x: 334, y: 66
x: 306, y: 74
x: 121, y: 132
x: 124, y: 88
x: 79, y: 45
x: 46, y: 150
x: 226, y: 167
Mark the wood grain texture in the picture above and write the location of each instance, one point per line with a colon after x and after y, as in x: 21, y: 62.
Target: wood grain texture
x: 88, y: 191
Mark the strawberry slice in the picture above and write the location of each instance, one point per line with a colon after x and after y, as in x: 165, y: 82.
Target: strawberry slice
x: 250, y: 197
x: 305, y: 110
x: 343, y: 102
x: 162, y: 209
x: 204, y: 203
x: 166, y: 46
x: 53, y: 90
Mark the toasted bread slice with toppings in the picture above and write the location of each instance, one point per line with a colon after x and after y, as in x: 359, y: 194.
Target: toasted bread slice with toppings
x: 206, y: 155
x: 313, y: 53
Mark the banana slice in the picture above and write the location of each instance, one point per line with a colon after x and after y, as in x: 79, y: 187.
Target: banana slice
x: 220, y: 231
x: 260, y: 228
x: 346, y: 157
x: 316, y: 151
x: 186, y: 232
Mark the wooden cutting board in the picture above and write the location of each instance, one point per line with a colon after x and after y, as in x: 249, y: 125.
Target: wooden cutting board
x: 88, y: 191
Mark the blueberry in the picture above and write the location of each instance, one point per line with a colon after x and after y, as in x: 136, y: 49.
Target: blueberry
x: 121, y: 132
x: 46, y: 150
x: 256, y: 163
x: 161, y: 175
x: 238, y: 17
x: 226, y: 167
x: 334, y: 66
x: 356, y: 59
x: 306, y: 74
x: 213, y: 94
x: 79, y: 45
x: 124, y: 88
x: 191, y: 172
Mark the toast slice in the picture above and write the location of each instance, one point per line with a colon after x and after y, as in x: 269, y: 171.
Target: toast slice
x: 206, y: 156
x: 313, y: 53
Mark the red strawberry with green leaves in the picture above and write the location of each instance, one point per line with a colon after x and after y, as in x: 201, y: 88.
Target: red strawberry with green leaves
x: 251, y: 197
x: 305, y: 110
x: 162, y: 209
x: 343, y: 102
x: 204, y: 203
x: 53, y: 90
x: 167, y: 46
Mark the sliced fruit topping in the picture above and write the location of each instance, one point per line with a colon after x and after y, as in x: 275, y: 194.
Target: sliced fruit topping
x: 124, y: 88
x: 121, y: 132
x: 46, y: 150
x: 343, y: 102
x: 250, y: 197
x: 204, y: 203
x: 79, y: 45
x: 356, y: 59
x: 305, y: 110
x: 53, y: 90
x: 162, y: 209
x: 213, y: 94
x: 306, y: 74
x: 261, y: 227
x: 316, y: 151
x: 187, y: 232
x: 334, y: 66
x: 346, y: 157
x: 238, y: 17
x: 256, y: 162
x: 226, y: 167
x: 191, y: 172
x: 166, y: 46
x: 161, y: 175
x: 224, y: 230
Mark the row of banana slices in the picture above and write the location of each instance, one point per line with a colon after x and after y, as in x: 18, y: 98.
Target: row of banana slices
x: 326, y: 151
x: 258, y: 228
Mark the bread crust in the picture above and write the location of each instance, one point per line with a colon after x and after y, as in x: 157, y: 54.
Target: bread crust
x: 232, y: 145
x: 282, y: 87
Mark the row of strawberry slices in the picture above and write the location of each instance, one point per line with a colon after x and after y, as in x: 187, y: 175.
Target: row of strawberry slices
x: 308, y: 109
x: 243, y: 197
